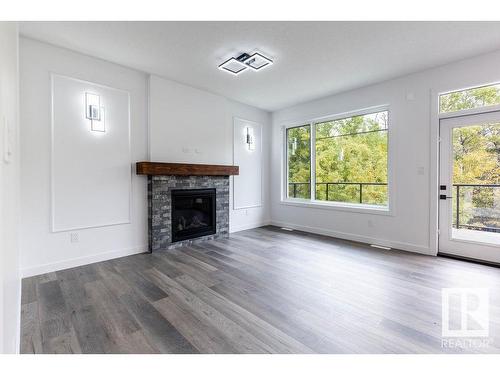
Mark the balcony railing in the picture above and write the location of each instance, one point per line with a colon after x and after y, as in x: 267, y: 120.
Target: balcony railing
x: 328, y: 185
x: 302, y: 190
x: 493, y: 216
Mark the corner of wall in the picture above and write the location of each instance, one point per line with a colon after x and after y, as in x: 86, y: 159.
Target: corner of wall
x: 148, y: 115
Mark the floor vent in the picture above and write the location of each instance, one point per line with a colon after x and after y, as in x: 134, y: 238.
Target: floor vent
x: 381, y: 247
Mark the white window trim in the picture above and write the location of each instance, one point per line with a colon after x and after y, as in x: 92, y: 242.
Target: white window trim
x: 330, y: 205
x: 436, y: 117
x: 338, y: 206
x: 468, y: 112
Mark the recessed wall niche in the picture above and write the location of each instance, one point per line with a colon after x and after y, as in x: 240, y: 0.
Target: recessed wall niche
x: 91, y: 170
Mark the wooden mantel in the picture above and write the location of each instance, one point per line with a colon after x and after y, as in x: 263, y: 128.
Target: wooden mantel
x: 180, y: 169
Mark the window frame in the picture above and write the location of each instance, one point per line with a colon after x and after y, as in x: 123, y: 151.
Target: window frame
x: 303, y: 124
x: 470, y: 111
x: 330, y: 205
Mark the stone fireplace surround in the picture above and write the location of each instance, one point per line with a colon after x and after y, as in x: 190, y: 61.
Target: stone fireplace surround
x: 159, y: 207
x: 164, y: 177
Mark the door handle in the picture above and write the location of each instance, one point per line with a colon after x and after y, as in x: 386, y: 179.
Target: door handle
x: 444, y: 197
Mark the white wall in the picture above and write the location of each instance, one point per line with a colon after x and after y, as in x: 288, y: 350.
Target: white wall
x: 247, y: 186
x: 413, y: 131
x: 10, y: 286
x: 91, y: 170
x: 195, y: 126
x: 186, y: 125
x: 190, y: 125
x: 42, y: 250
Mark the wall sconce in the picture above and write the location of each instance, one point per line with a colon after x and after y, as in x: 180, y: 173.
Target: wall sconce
x: 94, y: 112
x: 249, y: 138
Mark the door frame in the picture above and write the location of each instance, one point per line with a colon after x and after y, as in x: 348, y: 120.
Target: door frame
x: 459, y: 116
x: 447, y: 85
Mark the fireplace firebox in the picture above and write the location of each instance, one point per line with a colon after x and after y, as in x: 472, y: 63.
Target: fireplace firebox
x: 193, y: 213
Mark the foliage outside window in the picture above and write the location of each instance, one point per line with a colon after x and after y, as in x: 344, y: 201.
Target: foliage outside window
x: 469, y: 99
x: 351, y: 161
x: 476, y: 162
x: 476, y: 177
x: 299, y: 161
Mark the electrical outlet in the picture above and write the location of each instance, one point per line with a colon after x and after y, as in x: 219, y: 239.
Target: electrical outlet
x: 74, y: 237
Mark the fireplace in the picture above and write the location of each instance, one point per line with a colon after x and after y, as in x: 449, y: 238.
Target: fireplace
x: 187, y: 203
x: 193, y: 213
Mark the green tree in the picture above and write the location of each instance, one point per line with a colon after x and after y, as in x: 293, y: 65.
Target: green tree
x: 299, y: 161
x: 468, y: 99
x: 352, y: 150
x: 476, y: 159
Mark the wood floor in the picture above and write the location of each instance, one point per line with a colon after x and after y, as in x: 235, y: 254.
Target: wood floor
x: 261, y: 291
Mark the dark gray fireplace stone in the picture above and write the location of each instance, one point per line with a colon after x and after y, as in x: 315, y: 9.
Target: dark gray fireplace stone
x: 159, y: 206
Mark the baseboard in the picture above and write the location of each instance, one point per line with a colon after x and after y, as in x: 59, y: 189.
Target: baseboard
x: 81, y: 261
x: 239, y: 228
x: 358, y: 238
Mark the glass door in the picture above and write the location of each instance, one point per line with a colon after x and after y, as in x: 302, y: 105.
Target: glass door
x: 469, y: 191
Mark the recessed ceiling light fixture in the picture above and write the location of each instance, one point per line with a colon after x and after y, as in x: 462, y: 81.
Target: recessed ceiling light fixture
x: 236, y: 65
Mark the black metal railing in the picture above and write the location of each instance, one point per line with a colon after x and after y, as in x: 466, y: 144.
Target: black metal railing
x: 457, y: 222
x: 360, y: 185
x: 294, y: 188
x: 303, y: 189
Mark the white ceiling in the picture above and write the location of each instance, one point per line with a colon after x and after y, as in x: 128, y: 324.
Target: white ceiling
x: 312, y: 59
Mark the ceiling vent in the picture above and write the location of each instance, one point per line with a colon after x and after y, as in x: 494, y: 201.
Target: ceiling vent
x: 236, y: 65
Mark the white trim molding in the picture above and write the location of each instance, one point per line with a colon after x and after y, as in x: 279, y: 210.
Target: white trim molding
x: 397, y: 245
x: 53, y: 227
x: 81, y: 261
x: 258, y: 152
x: 239, y: 228
x: 338, y: 206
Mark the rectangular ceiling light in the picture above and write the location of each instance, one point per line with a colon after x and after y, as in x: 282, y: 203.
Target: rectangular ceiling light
x: 257, y: 61
x: 233, y: 66
x: 236, y: 65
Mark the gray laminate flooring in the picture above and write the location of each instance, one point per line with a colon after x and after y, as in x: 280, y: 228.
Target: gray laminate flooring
x: 263, y: 290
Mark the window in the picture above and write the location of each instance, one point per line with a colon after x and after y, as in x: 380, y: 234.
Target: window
x: 350, y: 160
x: 469, y: 99
x: 299, y: 161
